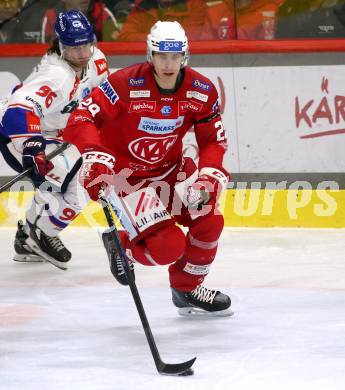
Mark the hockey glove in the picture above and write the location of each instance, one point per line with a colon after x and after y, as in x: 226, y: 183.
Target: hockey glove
x: 34, y: 157
x: 207, y: 188
x: 96, y: 171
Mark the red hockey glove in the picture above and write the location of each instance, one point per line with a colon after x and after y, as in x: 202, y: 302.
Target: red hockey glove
x: 34, y: 157
x: 206, y: 188
x: 96, y: 171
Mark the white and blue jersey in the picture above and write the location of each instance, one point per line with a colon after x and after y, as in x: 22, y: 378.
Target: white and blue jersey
x: 43, y: 103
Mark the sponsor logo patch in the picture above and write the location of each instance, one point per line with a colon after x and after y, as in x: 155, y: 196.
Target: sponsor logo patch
x: 86, y: 92
x: 197, y: 95
x: 185, y: 106
x: 146, y: 208
x: 170, y: 46
x: 196, y: 269
x: 166, y: 110
x: 109, y: 91
x: 33, y: 122
x: 77, y: 24
x: 201, y: 85
x: 101, y: 66
x: 151, y: 149
x: 139, y: 94
x: 215, y: 107
x: 136, y: 82
x: 160, y: 126
x: 70, y: 107
x: 147, y: 202
x: 38, y: 107
x: 142, y: 105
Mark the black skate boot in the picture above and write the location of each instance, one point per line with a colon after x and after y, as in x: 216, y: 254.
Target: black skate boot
x: 115, y: 263
x: 50, y: 248
x: 202, y: 301
x: 23, y: 252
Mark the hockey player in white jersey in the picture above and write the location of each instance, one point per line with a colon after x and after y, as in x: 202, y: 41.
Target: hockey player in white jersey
x: 32, y: 120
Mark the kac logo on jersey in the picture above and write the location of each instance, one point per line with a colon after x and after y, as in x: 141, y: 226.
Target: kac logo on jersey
x: 170, y: 46
x: 166, y: 110
x: 160, y: 126
x: 152, y: 149
x: 201, y: 85
x: 136, y: 82
x: 109, y: 92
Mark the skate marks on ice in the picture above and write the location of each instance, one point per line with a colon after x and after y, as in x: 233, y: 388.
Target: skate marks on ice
x: 92, y: 336
x: 78, y: 329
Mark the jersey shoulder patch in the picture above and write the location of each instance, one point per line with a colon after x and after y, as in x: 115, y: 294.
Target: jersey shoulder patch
x: 100, y: 62
x: 198, y: 81
x: 101, y: 66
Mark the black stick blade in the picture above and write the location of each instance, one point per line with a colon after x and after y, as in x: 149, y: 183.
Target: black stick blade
x: 180, y: 369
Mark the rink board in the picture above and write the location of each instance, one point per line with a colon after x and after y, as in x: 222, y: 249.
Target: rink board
x: 241, y: 208
x: 284, y: 115
x: 285, y: 119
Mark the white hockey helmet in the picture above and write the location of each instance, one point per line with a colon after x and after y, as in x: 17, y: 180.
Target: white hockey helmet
x: 167, y: 37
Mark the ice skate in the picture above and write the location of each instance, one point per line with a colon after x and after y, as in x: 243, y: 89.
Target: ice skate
x: 115, y: 263
x: 50, y: 249
x: 202, y: 302
x: 23, y: 253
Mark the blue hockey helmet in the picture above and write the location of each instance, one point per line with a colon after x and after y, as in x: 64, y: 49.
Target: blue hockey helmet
x: 73, y: 28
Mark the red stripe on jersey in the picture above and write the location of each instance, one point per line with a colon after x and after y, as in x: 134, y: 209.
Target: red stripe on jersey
x: 21, y: 105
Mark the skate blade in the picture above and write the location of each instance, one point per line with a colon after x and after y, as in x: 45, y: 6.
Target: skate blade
x: 59, y: 264
x: 194, y: 312
x: 28, y: 258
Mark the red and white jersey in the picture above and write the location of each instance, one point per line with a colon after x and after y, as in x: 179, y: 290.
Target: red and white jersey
x: 143, y: 127
x: 52, y: 91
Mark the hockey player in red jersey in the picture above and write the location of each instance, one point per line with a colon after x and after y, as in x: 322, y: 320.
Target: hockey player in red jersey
x: 131, y: 127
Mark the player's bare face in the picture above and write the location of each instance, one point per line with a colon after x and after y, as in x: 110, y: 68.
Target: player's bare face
x: 78, y: 56
x: 167, y: 67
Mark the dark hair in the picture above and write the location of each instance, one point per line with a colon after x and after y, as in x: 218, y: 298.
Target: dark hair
x: 54, y: 48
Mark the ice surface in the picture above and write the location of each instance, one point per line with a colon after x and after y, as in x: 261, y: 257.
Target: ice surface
x: 79, y: 330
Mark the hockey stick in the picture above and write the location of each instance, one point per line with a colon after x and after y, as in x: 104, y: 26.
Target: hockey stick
x: 21, y: 175
x: 181, y: 369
